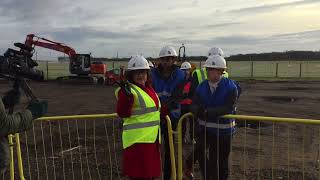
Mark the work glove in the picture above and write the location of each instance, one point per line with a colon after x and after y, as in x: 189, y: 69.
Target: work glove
x: 11, y: 98
x: 125, y: 86
x: 198, y: 111
x: 38, y: 108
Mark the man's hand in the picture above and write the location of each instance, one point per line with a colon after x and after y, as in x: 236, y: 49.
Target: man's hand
x: 125, y: 86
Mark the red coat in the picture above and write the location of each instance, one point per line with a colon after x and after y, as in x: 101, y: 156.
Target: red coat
x: 139, y: 160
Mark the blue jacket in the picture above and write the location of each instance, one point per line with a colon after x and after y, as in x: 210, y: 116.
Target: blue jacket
x: 220, y: 102
x: 165, y: 87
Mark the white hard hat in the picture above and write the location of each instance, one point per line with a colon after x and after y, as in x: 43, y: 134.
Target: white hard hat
x: 215, y: 61
x: 167, y: 51
x: 150, y: 64
x: 215, y: 51
x: 185, y: 65
x: 138, y: 62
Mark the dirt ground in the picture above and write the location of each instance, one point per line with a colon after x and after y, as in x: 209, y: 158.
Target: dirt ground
x: 80, y: 149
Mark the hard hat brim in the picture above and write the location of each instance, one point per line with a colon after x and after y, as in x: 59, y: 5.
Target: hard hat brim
x: 215, y: 67
x: 138, y: 68
x: 168, y: 55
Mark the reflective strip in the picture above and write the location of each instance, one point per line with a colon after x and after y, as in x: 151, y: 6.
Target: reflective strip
x: 159, y: 104
x: 144, y: 109
x: 218, y: 126
x: 140, y: 98
x: 141, y: 125
x: 202, y: 75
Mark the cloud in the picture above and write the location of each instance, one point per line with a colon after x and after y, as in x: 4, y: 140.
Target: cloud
x: 236, y: 40
x: 151, y: 28
x: 233, y: 44
x: 268, y: 8
x: 81, y: 33
x: 223, y: 24
x: 195, y: 3
x: 303, y: 34
x: 144, y: 26
x: 31, y: 10
x: 297, y: 37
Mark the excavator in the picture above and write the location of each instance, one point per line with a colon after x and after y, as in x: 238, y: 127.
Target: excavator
x: 80, y: 67
x: 182, y: 58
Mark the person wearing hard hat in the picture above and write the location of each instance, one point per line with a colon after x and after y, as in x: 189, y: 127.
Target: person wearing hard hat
x: 186, y: 67
x: 165, y: 79
x: 185, y: 92
x: 212, y: 99
x: 200, y: 74
x: 139, y: 107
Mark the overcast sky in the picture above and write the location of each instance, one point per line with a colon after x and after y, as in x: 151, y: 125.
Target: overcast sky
x: 104, y: 27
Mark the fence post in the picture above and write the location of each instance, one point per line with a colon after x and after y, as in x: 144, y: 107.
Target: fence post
x: 252, y: 69
x: 277, y: 65
x: 300, y: 73
x: 47, y: 64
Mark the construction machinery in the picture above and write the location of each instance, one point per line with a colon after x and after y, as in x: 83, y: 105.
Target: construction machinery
x: 182, y: 58
x: 80, y: 66
x: 114, y: 75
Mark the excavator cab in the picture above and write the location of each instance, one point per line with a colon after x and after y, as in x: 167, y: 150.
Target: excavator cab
x: 80, y: 64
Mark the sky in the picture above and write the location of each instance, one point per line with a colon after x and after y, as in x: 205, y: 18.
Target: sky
x: 129, y: 27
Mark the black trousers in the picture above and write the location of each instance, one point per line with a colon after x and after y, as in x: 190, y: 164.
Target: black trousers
x: 217, y: 164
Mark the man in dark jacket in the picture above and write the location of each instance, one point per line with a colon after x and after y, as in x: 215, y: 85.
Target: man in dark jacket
x: 16, y: 122
x: 213, y: 98
x: 165, y: 79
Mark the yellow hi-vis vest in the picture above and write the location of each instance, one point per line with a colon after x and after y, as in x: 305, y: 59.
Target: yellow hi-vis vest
x: 143, y: 126
x: 202, y: 74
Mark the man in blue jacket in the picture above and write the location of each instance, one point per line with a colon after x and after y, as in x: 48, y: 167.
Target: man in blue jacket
x: 165, y: 79
x: 213, y: 98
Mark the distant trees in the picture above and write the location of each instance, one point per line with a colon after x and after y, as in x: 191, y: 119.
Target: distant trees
x: 273, y: 56
x: 278, y: 56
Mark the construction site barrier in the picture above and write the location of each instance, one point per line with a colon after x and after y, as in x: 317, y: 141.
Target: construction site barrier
x: 265, y: 148
x: 54, y: 149
x: 91, y: 148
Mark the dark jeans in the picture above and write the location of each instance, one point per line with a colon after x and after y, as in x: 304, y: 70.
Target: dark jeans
x: 217, y: 164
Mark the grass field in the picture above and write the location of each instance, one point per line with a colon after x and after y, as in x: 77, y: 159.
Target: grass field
x: 240, y: 69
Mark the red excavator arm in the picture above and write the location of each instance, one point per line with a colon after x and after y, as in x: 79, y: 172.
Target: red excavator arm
x: 80, y: 64
x: 33, y: 40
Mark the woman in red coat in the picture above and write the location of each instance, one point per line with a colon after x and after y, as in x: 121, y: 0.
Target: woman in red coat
x: 141, y: 161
